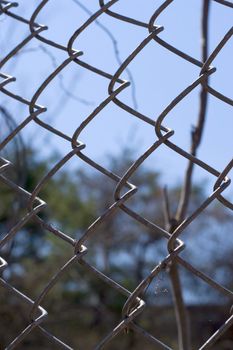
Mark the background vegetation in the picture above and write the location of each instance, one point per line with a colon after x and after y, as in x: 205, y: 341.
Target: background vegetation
x: 81, y: 308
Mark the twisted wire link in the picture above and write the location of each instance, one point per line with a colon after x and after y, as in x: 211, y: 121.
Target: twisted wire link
x: 125, y: 189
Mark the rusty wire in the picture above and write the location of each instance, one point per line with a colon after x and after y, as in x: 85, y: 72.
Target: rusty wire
x: 135, y: 303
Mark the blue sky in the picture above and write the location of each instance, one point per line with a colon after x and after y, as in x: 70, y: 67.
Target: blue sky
x: 158, y: 77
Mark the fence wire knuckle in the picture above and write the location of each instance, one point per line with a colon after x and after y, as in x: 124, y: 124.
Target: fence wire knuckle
x: 125, y: 189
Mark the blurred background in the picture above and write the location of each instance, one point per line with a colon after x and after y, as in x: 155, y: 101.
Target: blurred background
x: 82, y: 310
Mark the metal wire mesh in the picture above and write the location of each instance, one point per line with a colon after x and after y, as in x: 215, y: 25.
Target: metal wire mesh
x: 124, y: 188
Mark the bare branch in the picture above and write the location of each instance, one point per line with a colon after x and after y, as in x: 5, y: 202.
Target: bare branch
x: 166, y: 208
x: 115, y: 48
x: 61, y: 79
x: 198, y: 130
x: 197, y: 133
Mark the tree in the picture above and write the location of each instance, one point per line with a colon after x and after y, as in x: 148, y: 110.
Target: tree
x: 120, y: 248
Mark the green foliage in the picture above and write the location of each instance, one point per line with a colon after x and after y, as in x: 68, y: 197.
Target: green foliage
x: 121, y: 248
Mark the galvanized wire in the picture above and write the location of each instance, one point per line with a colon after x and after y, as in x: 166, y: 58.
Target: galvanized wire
x: 124, y: 190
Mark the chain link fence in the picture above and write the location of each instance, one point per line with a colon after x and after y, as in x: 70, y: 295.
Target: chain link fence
x: 125, y: 189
